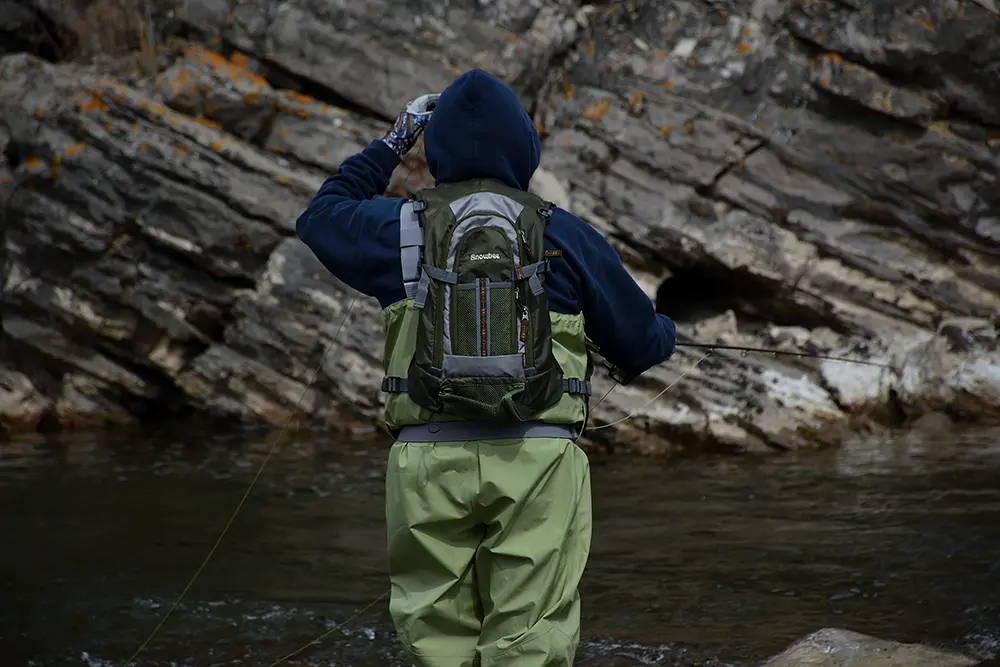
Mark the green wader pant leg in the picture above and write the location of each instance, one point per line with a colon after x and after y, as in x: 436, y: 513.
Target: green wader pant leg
x: 488, y: 541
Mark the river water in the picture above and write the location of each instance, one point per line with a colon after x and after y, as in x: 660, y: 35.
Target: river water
x: 698, y: 561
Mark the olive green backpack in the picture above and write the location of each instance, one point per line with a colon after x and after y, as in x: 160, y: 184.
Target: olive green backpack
x: 474, y: 262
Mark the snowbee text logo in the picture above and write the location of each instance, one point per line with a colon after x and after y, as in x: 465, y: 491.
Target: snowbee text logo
x: 485, y: 255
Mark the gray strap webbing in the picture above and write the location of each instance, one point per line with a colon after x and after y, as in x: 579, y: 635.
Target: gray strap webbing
x: 469, y: 430
x: 420, y: 295
x: 427, y: 273
x: 397, y: 385
x: 441, y: 275
x: 411, y: 240
x: 531, y: 272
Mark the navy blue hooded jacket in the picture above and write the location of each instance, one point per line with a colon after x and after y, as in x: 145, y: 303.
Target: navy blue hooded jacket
x: 479, y: 129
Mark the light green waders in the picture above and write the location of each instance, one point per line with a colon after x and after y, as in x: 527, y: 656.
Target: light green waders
x: 488, y: 541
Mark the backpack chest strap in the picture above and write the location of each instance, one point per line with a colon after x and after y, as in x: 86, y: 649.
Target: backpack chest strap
x: 531, y: 271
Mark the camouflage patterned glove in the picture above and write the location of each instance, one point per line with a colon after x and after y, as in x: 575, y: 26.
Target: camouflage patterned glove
x: 410, y: 124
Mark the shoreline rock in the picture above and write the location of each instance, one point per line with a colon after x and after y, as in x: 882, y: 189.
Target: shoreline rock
x: 765, y: 189
x: 835, y: 647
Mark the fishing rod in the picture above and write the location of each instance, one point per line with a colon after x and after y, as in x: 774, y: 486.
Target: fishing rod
x: 744, y: 351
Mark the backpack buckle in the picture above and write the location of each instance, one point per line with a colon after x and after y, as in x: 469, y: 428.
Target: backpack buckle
x: 394, y: 385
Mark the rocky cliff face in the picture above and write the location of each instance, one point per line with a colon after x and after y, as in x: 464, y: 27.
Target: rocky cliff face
x: 806, y: 175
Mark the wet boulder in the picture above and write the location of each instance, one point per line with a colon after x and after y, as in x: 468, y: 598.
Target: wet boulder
x: 834, y: 647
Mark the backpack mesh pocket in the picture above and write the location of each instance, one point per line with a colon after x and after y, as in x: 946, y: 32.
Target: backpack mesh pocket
x: 502, y: 314
x: 465, y: 320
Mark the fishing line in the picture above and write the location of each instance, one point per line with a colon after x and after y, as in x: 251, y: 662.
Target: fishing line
x: 330, y: 631
x: 246, y: 494
x: 652, y: 400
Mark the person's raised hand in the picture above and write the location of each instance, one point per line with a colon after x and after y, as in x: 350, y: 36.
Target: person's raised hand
x: 410, y: 124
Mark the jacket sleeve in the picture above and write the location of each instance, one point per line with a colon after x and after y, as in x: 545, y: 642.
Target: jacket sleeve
x: 353, y: 230
x: 620, y: 319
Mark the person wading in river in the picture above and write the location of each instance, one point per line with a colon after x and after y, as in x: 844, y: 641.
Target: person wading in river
x: 489, y: 295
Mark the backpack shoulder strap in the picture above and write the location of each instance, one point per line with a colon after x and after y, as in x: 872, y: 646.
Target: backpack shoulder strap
x: 411, y: 244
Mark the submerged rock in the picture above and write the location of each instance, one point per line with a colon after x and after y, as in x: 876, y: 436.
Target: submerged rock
x: 833, y: 647
x: 797, y: 176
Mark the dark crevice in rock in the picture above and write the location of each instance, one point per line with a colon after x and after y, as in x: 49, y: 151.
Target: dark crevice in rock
x: 850, y: 112
x: 13, y: 154
x: 896, y: 413
x: 27, y: 29
x: 690, y: 295
x: 708, y: 190
x: 697, y: 292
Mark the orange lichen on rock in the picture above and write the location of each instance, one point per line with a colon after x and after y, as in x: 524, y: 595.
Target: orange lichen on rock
x: 39, y: 112
x: 590, y: 48
x: 661, y: 54
x: 668, y: 84
x: 567, y: 89
x: 926, y: 23
x: 207, y: 122
x: 300, y: 98
x: 216, y: 145
x: 75, y: 149
x: 597, y: 110
x: 636, y: 97
x: 91, y: 100
x: 180, y: 83
x: 689, y: 127
x: 32, y: 162
x: 664, y: 131
x: 282, y: 179
x: 236, y: 71
x: 743, y: 47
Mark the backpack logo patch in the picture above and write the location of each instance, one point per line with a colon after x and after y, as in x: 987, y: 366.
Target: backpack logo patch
x: 485, y: 255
